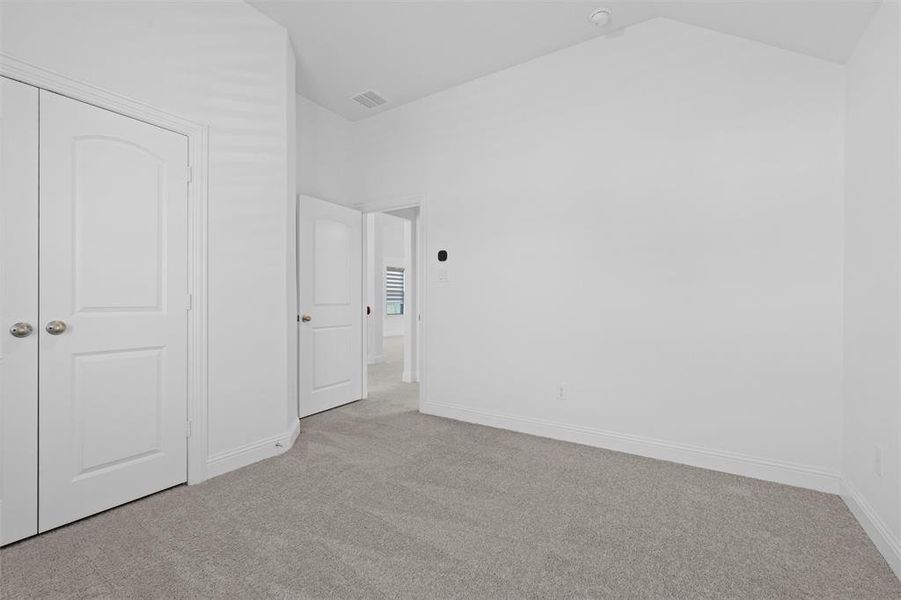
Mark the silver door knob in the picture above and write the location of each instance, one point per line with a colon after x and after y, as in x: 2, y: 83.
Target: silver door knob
x: 21, y: 329
x: 306, y: 318
x: 55, y: 327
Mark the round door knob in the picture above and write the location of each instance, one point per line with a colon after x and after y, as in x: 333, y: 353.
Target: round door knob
x: 21, y: 329
x: 55, y: 327
x: 306, y: 318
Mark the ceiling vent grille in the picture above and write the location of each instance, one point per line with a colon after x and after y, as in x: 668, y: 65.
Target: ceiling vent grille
x: 370, y: 99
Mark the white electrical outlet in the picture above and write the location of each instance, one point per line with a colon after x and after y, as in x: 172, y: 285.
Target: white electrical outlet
x: 877, y: 462
x: 561, y: 392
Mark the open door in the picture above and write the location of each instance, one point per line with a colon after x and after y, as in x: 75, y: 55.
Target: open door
x: 330, y: 264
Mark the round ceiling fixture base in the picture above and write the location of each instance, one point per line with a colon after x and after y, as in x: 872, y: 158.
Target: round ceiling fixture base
x: 600, y: 17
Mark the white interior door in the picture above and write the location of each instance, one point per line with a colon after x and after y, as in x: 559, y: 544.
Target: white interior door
x: 330, y: 263
x: 18, y: 305
x: 113, y: 270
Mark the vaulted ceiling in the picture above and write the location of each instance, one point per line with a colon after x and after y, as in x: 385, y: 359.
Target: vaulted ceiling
x: 408, y: 50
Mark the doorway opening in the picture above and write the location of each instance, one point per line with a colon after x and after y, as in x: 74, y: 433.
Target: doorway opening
x: 391, y: 363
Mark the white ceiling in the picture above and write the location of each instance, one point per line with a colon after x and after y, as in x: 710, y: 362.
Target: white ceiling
x: 407, y: 50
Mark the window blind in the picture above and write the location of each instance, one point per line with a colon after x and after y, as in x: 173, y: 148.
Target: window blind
x: 394, y: 291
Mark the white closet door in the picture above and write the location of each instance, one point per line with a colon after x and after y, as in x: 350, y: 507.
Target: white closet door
x: 331, y: 271
x: 113, y: 274
x: 18, y: 304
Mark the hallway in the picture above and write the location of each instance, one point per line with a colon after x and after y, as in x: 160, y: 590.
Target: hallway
x: 385, y: 385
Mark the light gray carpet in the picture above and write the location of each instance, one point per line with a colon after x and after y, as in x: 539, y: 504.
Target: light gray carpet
x: 378, y: 501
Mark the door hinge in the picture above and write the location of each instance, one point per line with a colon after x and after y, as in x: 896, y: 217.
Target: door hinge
x: 187, y: 429
x: 190, y: 173
x: 189, y: 301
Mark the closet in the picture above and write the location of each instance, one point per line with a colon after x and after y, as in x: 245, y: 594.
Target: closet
x: 93, y: 301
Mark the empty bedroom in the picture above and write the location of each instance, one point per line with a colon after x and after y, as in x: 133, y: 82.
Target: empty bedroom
x: 450, y: 299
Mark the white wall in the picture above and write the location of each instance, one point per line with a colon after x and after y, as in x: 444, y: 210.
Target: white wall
x: 872, y: 313
x: 225, y: 65
x: 291, y: 287
x: 653, y: 220
x: 385, y: 247
x: 374, y: 282
x: 323, y: 153
x: 394, y: 254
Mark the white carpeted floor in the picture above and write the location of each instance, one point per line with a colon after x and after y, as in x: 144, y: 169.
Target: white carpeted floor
x: 378, y: 501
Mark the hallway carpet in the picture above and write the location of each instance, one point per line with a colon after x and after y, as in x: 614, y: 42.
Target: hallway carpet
x: 378, y: 501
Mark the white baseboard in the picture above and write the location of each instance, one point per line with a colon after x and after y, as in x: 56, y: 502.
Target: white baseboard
x: 376, y: 358
x: 729, y: 462
x: 251, y: 453
x: 888, y: 544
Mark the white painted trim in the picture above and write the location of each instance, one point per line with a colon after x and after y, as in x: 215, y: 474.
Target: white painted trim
x: 887, y: 544
x: 198, y: 194
x: 423, y: 280
x: 365, y: 315
x: 696, y: 456
x: 254, y: 452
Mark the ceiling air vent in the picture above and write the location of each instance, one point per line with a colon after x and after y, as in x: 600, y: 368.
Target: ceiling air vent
x: 370, y: 99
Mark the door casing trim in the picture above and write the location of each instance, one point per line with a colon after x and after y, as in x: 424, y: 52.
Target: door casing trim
x: 198, y: 197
